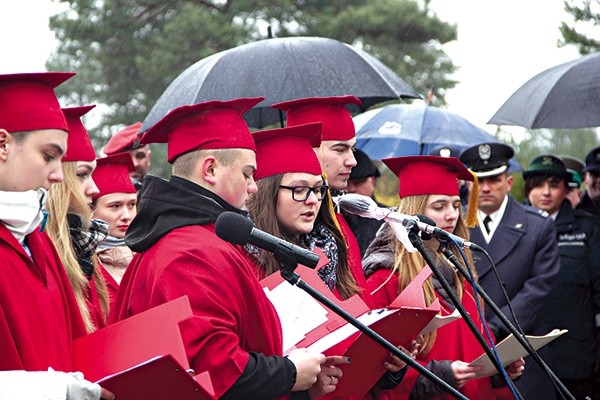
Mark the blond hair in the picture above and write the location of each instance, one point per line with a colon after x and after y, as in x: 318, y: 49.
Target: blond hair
x: 66, y: 198
x: 408, y: 265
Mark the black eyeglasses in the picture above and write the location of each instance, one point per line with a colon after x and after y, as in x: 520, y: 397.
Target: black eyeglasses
x: 301, y: 193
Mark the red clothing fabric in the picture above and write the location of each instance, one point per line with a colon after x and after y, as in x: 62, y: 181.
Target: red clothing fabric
x: 98, y: 318
x: 39, y: 317
x: 354, y: 260
x: 113, y: 289
x: 454, y: 341
x: 232, y: 315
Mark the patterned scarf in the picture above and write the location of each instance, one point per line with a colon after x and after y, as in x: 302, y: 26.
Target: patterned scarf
x: 323, y: 238
x: 86, y: 241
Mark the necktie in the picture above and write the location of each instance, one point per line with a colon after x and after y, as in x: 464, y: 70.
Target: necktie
x: 486, y: 223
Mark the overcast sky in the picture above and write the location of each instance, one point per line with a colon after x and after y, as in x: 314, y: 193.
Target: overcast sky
x: 501, y: 44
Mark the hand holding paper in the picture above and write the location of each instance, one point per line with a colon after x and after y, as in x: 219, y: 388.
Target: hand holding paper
x: 510, y: 350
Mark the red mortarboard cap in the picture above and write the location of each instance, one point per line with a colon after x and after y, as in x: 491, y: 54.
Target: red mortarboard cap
x: 112, y: 174
x: 421, y: 175
x: 330, y: 111
x: 210, y: 125
x: 28, y: 101
x: 79, y: 144
x: 287, y: 150
x: 124, y: 140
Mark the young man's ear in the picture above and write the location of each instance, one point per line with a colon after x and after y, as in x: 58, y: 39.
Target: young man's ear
x: 206, y: 169
x: 5, y: 140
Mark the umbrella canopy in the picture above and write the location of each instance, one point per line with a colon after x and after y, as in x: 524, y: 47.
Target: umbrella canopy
x: 564, y: 96
x: 282, y: 69
x: 416, y: 129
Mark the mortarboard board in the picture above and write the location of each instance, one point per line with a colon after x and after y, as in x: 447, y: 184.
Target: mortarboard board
x: 112, y: 174
x: 79, y: 144
x: 210, y: 125
x: 287, y: 150
x: 424, y: 175
x: 330, y: 111
x: 28, y: 101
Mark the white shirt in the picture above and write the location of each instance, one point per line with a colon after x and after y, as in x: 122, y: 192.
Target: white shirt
x: 496, y: 217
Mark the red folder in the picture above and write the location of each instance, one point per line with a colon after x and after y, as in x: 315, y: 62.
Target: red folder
x: 142, y: 354
x: 399, y: 328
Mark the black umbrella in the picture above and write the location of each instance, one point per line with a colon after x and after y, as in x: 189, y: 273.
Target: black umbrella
x: 282, y: 69
x: 564, y: 96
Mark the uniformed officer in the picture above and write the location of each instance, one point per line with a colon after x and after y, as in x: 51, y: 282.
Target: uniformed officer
x: 575, y: 168
x: 575, y: 301
x: 521, y: 242
x: 591, y: 198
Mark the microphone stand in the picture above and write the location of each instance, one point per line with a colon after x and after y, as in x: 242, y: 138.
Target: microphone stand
x: 288, y: 264
x: 418, y: 243
x: 518, y: 335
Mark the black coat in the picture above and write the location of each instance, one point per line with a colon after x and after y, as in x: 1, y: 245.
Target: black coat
x: 575, y: 301
x: 525, y: 252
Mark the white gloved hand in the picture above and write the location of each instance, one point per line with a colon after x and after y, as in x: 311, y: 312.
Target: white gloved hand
x: 46, y: 385
x: 80, y: 389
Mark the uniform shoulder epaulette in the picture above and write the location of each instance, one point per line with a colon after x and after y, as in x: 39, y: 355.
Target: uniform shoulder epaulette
x: 537, y: 211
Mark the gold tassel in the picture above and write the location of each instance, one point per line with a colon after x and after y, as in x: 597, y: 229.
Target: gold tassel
x: 473, y: 203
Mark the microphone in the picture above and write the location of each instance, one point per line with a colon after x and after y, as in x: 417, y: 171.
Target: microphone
x: 366, y: 207
x: 236, y: 228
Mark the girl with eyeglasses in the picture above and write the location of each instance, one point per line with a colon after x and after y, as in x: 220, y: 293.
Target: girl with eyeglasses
x: 292, y: 203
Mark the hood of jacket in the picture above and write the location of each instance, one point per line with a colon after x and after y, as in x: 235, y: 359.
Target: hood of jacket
x: 167, y: 205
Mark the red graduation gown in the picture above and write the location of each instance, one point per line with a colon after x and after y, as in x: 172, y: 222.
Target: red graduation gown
x: 38, y: 314
x: 113, y: 289
x: 232, y: 315
x: 454, y: 341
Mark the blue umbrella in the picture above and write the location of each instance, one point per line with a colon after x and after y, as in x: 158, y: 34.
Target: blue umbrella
x: 410, y: 129
x: 414, y: 129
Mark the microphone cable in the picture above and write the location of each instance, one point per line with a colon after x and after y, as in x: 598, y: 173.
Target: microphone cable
x: 471, y: 278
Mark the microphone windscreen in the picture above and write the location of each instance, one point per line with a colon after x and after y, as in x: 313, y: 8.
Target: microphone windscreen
x: 356, y: 203
x: 233, y: 227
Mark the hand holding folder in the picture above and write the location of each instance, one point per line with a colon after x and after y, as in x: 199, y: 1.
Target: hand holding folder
x: 400, y: 324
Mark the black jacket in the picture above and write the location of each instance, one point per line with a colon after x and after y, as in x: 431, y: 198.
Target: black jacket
x: 575, y: 300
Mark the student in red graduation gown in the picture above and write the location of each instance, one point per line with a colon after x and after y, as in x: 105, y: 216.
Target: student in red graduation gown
x: 235, y: 332
x: 335, y: 154
x: 116, y: 204
x: 39, y: 317
x: 71, y: 227
x: 288, y: 205
x: 429, y: 186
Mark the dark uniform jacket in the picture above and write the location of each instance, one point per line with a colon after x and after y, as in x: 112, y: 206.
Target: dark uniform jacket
x: 589, y: 205
x: 525, y: 252
x: 575, y: 301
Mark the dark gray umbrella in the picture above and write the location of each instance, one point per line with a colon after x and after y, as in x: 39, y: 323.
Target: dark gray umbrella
x: 564, y: 96
x: 282, y: 69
